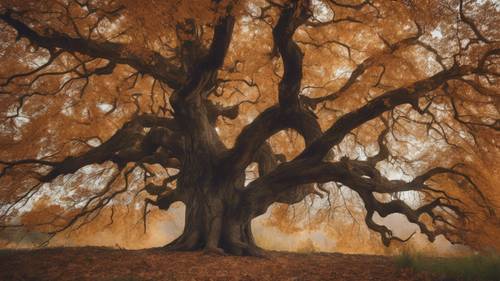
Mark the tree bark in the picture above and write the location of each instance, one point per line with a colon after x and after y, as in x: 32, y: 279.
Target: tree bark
x: 214, y: 220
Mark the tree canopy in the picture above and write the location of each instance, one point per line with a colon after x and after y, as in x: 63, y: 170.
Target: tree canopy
x: 232, y: 106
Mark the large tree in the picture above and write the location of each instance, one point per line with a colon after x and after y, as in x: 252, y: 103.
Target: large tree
x: 171, y: 101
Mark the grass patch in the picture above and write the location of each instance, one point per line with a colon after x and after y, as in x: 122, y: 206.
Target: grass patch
x: 470, y: 268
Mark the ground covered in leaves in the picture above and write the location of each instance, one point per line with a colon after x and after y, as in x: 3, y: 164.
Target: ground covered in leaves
x: 92, y: 263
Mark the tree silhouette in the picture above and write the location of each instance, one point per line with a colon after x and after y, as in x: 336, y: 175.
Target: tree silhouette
x: 167, y: 102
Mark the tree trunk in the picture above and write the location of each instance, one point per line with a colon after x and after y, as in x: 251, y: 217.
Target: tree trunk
x: 214, y: 224
x: 214, y: 219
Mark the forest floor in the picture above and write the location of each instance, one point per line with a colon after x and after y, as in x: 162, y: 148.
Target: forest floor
x: 92, y: 263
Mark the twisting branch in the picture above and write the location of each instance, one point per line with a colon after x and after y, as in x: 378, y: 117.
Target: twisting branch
x: 446, y: 227
x: 128, y: 144
x: 294, y: 171
x: 155, y: 65
x: 289, y: 113
x: 291, y: 18
x: 374, y: 108
x: 365, y: 179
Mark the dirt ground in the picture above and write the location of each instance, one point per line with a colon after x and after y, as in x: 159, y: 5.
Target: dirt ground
x: 92, y: 263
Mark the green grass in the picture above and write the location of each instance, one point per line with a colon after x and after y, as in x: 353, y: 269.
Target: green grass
x: 470, y: 268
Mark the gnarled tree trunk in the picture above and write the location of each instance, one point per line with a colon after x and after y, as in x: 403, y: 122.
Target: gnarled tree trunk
x: 213, y: 224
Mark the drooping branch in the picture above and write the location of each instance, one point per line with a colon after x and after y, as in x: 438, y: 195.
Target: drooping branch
x: 96, y: 203
x: 92, y: 207
x: 442, y: 225
x: 148, y: 62
x: 128, y: 144
x: 365, y: 179
x: 81, y: 72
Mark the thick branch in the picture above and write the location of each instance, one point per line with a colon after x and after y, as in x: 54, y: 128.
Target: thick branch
x: 148, y: 62
x: 374, y: 108
x: 289, y: 113
x: 448, y: 226
x: 269, y: 122
x: 291, y: 18
x: 128, y: 144
x: 296, y: 171
x: 366, y: 180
